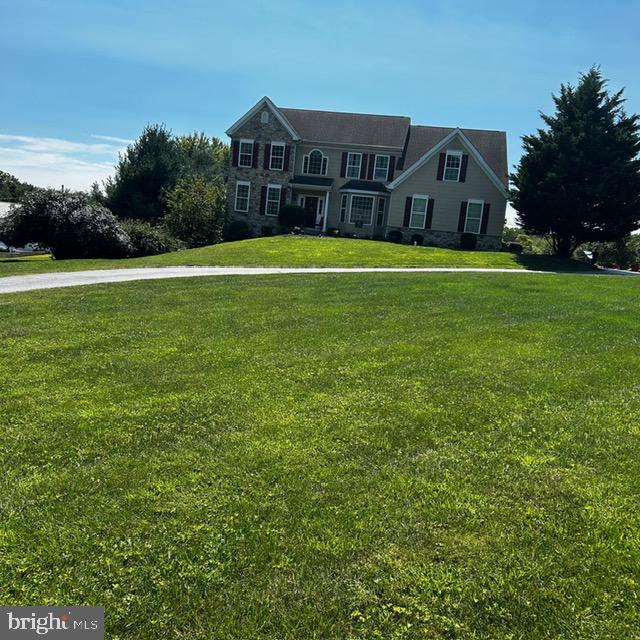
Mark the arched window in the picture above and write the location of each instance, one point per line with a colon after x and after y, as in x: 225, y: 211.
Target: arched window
x: 315, y: 163
x: 264, y: 117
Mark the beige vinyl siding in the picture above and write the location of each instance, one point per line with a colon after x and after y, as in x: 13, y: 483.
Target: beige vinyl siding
x: 449, y: 195
x: 334, y: 156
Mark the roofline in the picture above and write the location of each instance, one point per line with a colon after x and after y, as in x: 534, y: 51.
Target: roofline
x: 350, y: 113
x: 349, y: 144
x: 436, y: 148
x: 280, y: 116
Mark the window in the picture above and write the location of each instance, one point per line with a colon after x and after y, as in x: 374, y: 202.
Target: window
x: 380, y: 215
x: 361, y: 210
x: 276, y: 161
x: 245, y: 159
x: 343, y: 207
x: 242, y: 196
x: 381, y: 169
x: 354, y: 160
x: 474, y: 216
x: 315, y: 163
x: 264, y: 117
x: 418, y: 212
x: 452, y: 166
x: 273, y: 200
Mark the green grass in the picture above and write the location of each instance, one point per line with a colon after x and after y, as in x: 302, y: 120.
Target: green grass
x: 297, y: 251
x: 328, y: 457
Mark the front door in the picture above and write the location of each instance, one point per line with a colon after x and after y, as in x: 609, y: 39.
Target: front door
x: 311, y: 208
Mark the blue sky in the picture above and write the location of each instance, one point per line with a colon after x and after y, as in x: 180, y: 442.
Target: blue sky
x: 81, y: 77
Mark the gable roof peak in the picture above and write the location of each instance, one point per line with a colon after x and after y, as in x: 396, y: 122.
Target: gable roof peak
x: 264, y: 101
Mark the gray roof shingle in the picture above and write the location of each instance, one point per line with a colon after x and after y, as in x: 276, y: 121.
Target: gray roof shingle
x: 348, y: 128
x: 492, y: 146
x: 394, y: 131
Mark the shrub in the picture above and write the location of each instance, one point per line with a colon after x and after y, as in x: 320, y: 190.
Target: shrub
x: 378, y: 237
x: 291, y: 215
x: 394, y: 236
x: 266, y: 231
x: 196, y: 211
x: 416, y: 238
x: 515, y: 247
x: 69, y: 224
x: 333, y: 231
x: 468, y: 241
x: 237, y: 230
x: 147, y: 240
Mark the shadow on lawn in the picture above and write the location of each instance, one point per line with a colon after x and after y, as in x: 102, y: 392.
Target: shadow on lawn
x: 551, y: 263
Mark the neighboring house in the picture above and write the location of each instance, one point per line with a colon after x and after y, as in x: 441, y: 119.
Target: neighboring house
x: 368, y: 175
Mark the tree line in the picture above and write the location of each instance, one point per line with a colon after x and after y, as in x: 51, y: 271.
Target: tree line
x: 577, y: 184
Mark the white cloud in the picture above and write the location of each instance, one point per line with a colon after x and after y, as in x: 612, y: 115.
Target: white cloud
x: 52, y: 162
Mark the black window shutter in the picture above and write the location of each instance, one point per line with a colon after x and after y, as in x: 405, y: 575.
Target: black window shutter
x: 283, y: 197
x: 263, y: 200
x: 443, y: 157
x: 267, y: 154
x: 287, y: 151
x: 372, y: 162
x: 407, y: 211
x: 485, y: 217
x: 343, y: 166
x: 363, y: 166
x: 256, y: 148
x: 392, y: 168
x: 463, y: 216
x: 463, y: 167
x: 235, y: 153
x: 429, y: 214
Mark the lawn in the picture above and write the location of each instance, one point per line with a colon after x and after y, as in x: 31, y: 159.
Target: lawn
x: 327, y: 457
x: 299, y: 251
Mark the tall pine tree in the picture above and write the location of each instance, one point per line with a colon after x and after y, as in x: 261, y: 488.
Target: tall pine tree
x: 579, y: 179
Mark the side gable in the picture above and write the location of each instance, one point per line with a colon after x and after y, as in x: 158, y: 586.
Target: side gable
x: 501, y: 185
x: 261, y: 104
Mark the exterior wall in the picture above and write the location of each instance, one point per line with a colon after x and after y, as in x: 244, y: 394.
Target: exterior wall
x: 447, y: 197
x: 261, y: 134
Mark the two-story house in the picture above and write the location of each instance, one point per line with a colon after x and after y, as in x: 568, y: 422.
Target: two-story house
x: 368, y: 175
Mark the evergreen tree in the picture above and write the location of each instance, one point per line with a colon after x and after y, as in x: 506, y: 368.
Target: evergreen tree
x: 144, y: 173
x: 579, y: 179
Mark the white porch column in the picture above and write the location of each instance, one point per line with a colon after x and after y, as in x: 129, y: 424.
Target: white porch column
x: 326, y: 213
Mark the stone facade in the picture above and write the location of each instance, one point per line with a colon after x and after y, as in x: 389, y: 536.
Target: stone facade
x: 262, y: 134
x: 448, y: 239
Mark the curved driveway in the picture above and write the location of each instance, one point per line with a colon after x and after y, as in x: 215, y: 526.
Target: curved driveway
x: 14, y: 284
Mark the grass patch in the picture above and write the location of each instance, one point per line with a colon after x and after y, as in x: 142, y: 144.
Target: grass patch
x: 300, y: 251
x: 392, y: 456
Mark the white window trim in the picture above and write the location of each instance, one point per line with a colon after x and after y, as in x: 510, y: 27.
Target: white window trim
x: 344, y: 207
x: 444, y: 173
x: 375, y: 162
x: 346, y: 172
x: 266, y: 204
x: 373, y: 203
x: 466, y: 216
x: 264, y: 117
x: 235, y: 202
x: 246, y: 141
x: 305, y: 159
x: 426, y: 208
x: 276, y: 144
x: 378, y: 212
